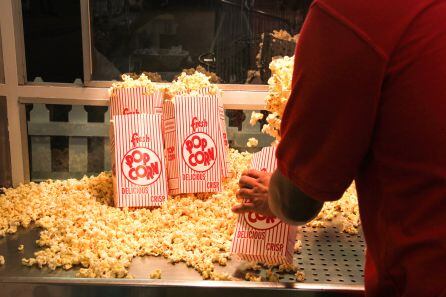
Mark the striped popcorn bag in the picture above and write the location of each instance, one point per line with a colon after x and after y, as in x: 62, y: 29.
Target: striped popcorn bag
x: 140, y: 179
x: 193, y: 144
x: 223, y: 140
x: 135, y: 100
x: 129, y: 101
x: 260, y: 238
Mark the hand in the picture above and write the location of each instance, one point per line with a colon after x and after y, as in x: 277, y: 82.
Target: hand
x: 254, y: 186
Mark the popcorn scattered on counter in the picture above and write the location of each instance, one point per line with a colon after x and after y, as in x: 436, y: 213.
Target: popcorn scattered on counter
x: 252, y: 142
x: 298, y: 246
x: 253, y: 277
x: 300, y: 276
x: 345, y: 209
x: 156, y: 274
x: 20, y: 247
x: 272, y: 276
x: 2, y: 260
x: 81, y: 228
x: 287, y: 268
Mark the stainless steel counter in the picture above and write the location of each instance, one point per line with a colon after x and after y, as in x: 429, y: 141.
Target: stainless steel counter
x: 332, y: 263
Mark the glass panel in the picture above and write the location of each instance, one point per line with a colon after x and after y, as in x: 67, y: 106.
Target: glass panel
x: 5, y: 160
x: 230, y: 38
x: 69, y: 141
x: 53, y: 40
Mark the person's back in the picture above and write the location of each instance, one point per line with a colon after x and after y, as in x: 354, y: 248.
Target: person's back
x: 397, y: 153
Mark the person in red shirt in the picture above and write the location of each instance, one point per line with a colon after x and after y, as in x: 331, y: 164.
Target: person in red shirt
x: 368, y: 103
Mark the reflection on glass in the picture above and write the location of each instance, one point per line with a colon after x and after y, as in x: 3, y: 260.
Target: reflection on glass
x: 53, y: 40
x: 229, y: 38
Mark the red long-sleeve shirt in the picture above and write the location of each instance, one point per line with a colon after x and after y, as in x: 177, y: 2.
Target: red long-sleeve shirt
x: 369, y: 104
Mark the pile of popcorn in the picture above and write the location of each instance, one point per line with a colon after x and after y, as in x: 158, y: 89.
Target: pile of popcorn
x: 345, y: 210
x: 152, y: 76
x: 213, y: 77
x: 279, y: 90
x: 133, y: 81
x: 191, y: 84
x: 80, y: 227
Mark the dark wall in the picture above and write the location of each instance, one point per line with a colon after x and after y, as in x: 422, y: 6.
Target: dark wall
x: 5, y: 161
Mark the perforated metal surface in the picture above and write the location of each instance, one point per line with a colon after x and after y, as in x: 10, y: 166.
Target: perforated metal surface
x: 331, y: 256
x: 330, y: 259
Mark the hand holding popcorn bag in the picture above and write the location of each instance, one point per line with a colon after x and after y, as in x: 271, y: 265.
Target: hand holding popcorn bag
x: 260, y: 238
x: 139, y: 177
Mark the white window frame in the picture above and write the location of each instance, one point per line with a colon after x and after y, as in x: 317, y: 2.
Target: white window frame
x: 18, y: 91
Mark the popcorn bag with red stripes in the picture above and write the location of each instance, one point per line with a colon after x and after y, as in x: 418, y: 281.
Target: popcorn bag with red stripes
x: 139, y: 178
x: 223, y: 140
x: 135, y: 100
x: 194, y: 144
x: 260, y: 238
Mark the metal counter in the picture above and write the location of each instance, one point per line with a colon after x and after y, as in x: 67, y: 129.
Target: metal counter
x: 332, y: 262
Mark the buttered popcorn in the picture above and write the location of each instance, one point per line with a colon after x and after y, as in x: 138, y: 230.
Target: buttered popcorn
x: 2, y: 260
x: 279, y: 90
x: 129, y: 82
x: 191, y: 84
x: 252, y: 142
x: 156, y: 274
x: 81, y: 228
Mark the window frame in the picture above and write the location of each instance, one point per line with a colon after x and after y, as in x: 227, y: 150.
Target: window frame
x: 19, y: 91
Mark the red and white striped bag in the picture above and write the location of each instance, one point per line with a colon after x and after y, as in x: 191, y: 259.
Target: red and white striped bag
x: 140, y: 179
x: 194, y: 144
x: 135, y: 100
x: 223, y: 140
x: 260, y: 238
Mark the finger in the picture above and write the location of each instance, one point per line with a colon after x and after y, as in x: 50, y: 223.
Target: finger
x: 244, y: 193
x: 254, y: 173
x: 244, y: 207
x: 247, y: 182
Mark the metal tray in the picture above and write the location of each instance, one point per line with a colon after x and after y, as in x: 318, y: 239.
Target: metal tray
x: 331, y: 260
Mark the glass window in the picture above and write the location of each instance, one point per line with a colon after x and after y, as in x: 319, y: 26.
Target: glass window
x: 67, y: 141
x: 233, y: 39
x: 53, y: 40
x: 70, y: 141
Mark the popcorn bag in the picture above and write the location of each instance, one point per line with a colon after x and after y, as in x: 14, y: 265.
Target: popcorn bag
x: 135, y: 100
x: 260, y: 238
x: 223, y: 141
x: 139, y: 177
x: 194, y: 144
